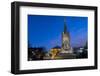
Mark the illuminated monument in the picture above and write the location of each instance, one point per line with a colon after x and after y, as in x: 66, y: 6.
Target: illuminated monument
x: 65, y: 51
x: 66, y: 48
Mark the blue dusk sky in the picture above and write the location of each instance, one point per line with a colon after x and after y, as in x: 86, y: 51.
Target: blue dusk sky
x: 46, y: 31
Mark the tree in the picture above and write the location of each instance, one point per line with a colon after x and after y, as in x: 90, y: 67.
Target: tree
x: 36, y: 53
x: 86, y: 45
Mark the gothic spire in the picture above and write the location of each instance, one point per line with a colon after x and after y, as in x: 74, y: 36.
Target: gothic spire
x: 65, y: 27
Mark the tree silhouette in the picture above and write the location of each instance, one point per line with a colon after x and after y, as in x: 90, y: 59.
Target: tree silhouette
x: 36, y: 53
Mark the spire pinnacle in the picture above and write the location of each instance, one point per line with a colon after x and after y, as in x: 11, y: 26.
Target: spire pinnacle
x: 65, y: 27
x: 65, y: 20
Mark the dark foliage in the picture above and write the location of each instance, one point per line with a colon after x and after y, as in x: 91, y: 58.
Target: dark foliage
x: 36, y: 53
x: 84, y: 54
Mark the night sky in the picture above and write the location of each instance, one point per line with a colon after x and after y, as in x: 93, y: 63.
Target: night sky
x: 46, y: 31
